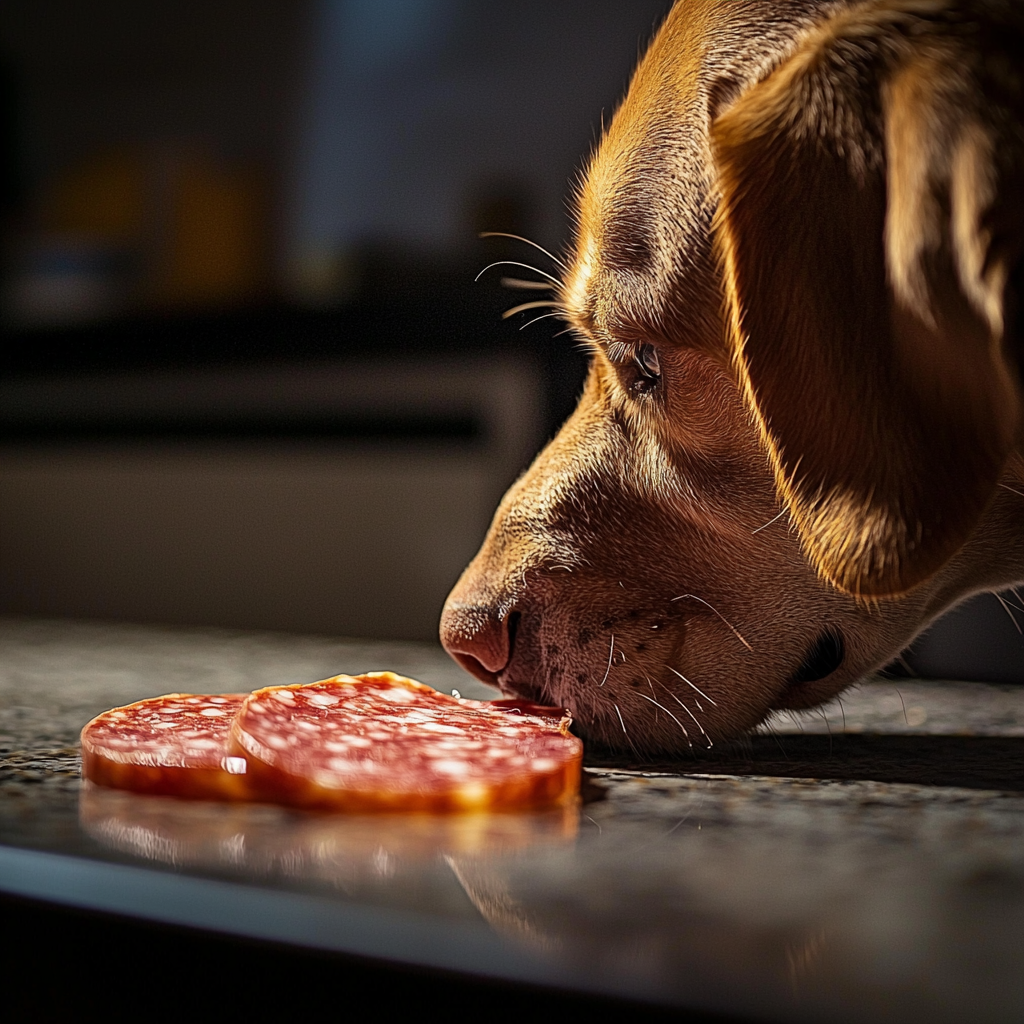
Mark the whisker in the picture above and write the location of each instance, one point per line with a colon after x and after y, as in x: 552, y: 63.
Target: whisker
x: 900, y: 695
x: 621, y: 722
x: 624, y: 733
x: 516, y: 263
x: 828, y: 727
x: 900, y: 660
x: 670, y: 715
x: 1009, y: 611
x: 736, y: 632
x: 1007, y: 487
x: 688, y: 683
x: 539, y: 304
x: 518, y: 282
x: 843, y: 710
x: 764, y: 526
x: 778, y: 742
x: 651, y: 685
x: 692, y: 715
x: 536, y: 319
x: 519, y: 238
x: 611, y: 653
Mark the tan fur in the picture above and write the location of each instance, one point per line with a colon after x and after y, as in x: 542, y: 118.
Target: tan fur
x: 803, y: 207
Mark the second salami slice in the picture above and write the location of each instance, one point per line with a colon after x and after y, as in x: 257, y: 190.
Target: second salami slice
x: 175, y: 745
x: 381, y: 742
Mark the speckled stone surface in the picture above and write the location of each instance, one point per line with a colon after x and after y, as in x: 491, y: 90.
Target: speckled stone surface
x: 809, y: 873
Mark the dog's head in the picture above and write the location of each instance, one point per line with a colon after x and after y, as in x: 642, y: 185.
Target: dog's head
x: 794, y: 248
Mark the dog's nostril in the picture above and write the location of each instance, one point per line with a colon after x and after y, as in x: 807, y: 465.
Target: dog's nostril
x: 513, y: 628
x: 822, y: 659
x: 478, y: 638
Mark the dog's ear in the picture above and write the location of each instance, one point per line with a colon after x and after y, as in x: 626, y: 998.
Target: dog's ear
x: 869, y: 218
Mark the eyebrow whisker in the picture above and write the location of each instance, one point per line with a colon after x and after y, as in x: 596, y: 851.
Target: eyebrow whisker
x: 519, y: 238
x: 524, y: 285
x: 516, y: 263
x: 536, y: 318
x: 538, y: 304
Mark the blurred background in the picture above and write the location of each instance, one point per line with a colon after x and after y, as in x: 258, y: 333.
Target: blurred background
x: 247, y: 376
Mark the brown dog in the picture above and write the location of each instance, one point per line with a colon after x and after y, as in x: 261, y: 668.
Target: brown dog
x: 797, y: 261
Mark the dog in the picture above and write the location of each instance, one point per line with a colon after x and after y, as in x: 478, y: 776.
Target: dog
x: 797, y: 264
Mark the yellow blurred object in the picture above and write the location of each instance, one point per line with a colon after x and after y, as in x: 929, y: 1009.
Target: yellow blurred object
x: 193, y: 227
x: 213, y: 249
x: 103, y: 198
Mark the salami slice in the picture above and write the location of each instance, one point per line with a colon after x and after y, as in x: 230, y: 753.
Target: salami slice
x: 382, y: 742
x: 176, y: 745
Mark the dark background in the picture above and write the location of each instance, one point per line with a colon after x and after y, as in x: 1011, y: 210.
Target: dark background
x: 247, y: 377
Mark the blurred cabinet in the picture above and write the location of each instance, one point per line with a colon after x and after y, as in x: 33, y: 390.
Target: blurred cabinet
x: 343, y: 498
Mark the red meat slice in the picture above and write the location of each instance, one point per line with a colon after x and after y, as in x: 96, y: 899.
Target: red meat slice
x: 176, y: 745
x: 382, y: 742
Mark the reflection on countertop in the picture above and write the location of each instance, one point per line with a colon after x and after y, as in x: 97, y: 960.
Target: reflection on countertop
x: 833, y: 888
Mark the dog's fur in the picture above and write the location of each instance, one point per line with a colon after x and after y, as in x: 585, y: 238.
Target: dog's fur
x: 797, y: 263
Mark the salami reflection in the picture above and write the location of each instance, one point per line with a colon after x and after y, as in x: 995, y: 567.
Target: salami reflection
x: 341, y: 850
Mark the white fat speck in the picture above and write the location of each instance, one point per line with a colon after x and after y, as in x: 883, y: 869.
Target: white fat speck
x: 201, y: 746
x: 458, y: 768
x: 340, y: 764
x: 437, y: 727
x: 496, y: 752
x: 362, y: 741
x: 234, y: 765
x: 277, y: 742
x: 544, y: 764
x: 213, y: 713
x: 398, y: 695
x: 325, y: 700
x: 456, y: 694
x: 306, y: 726
x: 287, y: 696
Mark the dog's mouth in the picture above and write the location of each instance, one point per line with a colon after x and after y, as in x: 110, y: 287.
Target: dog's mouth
x: 823, y: 658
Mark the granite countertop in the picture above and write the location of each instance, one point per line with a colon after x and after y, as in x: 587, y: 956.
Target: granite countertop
x: 862, y: 862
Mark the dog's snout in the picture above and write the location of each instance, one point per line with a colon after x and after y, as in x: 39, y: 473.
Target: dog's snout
x: 479, y: 638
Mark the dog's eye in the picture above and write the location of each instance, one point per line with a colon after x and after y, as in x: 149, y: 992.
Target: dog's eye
x: 649, y: 365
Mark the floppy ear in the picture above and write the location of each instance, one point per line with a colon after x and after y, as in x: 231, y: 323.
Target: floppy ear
x: 860, y: 184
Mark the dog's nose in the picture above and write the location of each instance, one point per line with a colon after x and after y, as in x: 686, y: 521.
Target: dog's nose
x: 478, y: 638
